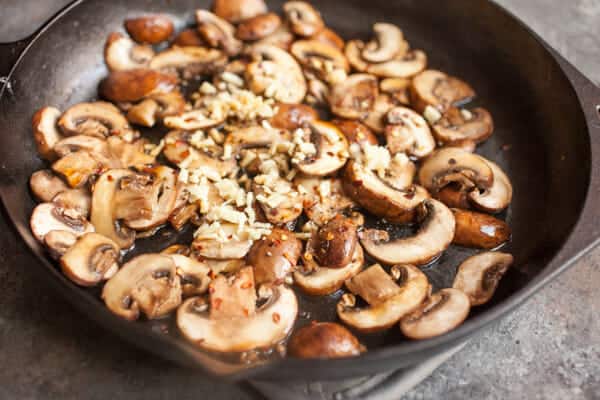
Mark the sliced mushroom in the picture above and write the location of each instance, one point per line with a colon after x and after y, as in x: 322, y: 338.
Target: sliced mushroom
x: 435, y: 88
x: 217, y: 32
x: 319, y: 280
x: 441, y: 313
x: 265, y: 327
x: 45, y: 131
x: 129, y: 154
x: 275, y: 73
x: 458, y: 125
x: 389, y: 43
x: 329, y: 37
x: 134, y: 85
x: 189, y: 61
x: 324, y: 340
x: 376, y: 120
x: 255, y: 137
x: 91, y: 260
x: 303, y: 18
x: 323, y: 199
x: 331, y: 150
x: 48, y: 217
x: 334, y: 244
x: 452, y: 164
x: 478, y: 230
x: 408, y: 132
x: 159, y: 105
x: 75, y: 199
x: 121, y: 53
x: 356, y: 132
x: 183, y: 211
x: 398, y: 88
x: 353, y: 52
x: 282, y: 38
x: 45, y: 185
x: 389, y: 298
x: 192, y: 120
x: 378, y: 196
x: 189, y: 37
x: 454, y: 197
x: 150, y: 29
x: 497, y: 197
x: 224, y: 266
x: 435, y: 234
x: 293, y: 116
x: 100, y: 119
x: 274, y: 256
x: 194, y: 275
x: 236, y: 11
x: 91, y: 144
x: 147, y: 284
x: 355, y: 97
x: 179, y: 249
x: 478, y: 276
x: 258, y: 27
x: 325, y: 61
x: 58, y: 242
x: 78, y: 168
x: 401, y: 173
x: 216, y: 249
x: 278, y: 199
x: 406, y: 66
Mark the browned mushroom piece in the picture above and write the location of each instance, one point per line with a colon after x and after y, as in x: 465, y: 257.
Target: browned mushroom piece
x: 329, y: 37
x: 150, y: 29
x: 129, y: 154
x: 326, y: 62
x: 353, y: 50
x: 75, y: 199
x: 254, y: 137
x: 454, y: 197
x: 157, y: 106
x: 435, y: 233
x: 79, y: 167
x: 408, y: 132
x: 121, y: 53
x: 459, y: 125
x: 334, y: 243
x: 282, y: 38
x: 189, y: 61
x: 440, y: 313
x: 277, y: 198
x: 147, y: 284
x: 45, y: 131
x: 324, y: 340
x: 479, y: 230
x: 228, y: 266
x: 497, y: 197
x: 323, y: 198
x: 376, y: 120
x: 91, y: 260
x: 209, y: 247
x: 407, y: 66
x: 388, y: 43
x: 436, y: 89
x: 398, y: 88
x: 99, y: 119
x: 478, y: 276
x: 293, y: 116
x: 217, y: 32
x: 236, y: 11
x: 183, y: 210
x: 45, y: 185
x: 303, y: 18
x: 389, y: 298
x: 258, y: 27
x: 274, y: 256
x: 355, y: 97
x: 356, y: 132
x: 180, y: 249
x: 135, y: 84
x: 189, y: 37
x: 328, y: 153
x: 92, y: 144
x: 48, y: 217
x: 58, y: 242
x: 194, y: 275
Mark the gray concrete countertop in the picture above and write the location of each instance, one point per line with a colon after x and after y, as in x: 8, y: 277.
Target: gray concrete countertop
x: 548, y: 349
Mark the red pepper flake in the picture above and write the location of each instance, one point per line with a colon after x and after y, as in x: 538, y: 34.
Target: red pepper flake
x: 246, y: 312
x: 217, y: 303
x: 246, y: 285
x: 110, y: 178
x: 357, y: 183
x: 185, y: 154
x: 276, y: 318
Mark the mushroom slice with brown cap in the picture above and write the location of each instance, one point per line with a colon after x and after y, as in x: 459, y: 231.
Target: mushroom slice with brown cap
x: 356, y: 132
x: 478, y: 276
x: 258, y: 27
x: 436, y: 89
x: 319, y: 280
x: 282, y: 38
x: 334, y: 244
x: 378, y: 196
x: 275, y: 73
x: 217, y: 32
x: 324, y: 340
x: 458, y: 125
x: 389, y: 298
x: 129, y: 154
x: 192, y: 120
x: 148, y: 284
x: 100, y: 119
x: 236, y: 11
x: 408, y: 132
x: 293, y: 116
x: 159, y: 105
x: 331, y: 149
x: 58, y: 242
x: 194, y: 275
x: 77, y: 168
x: 91, y: 144
x: 210, y: 246
x: 323, y: 199
x: 189, y: 61
x: 406, y: 66
x: 274, y: 256
x: 329, y: 37
x: 151, y: 29
x: 224, y: 266
x: 48, y: 217
x: 121, y: 53
x: 326, y: 61
x: 479, y: 230
x: 162, y: 197
x: 136, y: 84
x: 355, y: 97
x: 353, y: 54
x: 441, y: 313
x: 303, y: 18
x: 398, y: 88
x: 238, y: 331
x: 277, y: 198
x: 188, y: 37
x: 255, y: 137
x: 389, y: 43
x: 45, y: 131
x: 452, y: 164
x: 76, y: 199
x: 497, y: 197
x: 376, y: 120
x: 434, y: 235
x: 45, y: 185
x: 92, y: 259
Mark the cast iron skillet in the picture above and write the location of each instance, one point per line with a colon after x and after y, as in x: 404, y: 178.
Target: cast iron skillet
x: 547, y: 139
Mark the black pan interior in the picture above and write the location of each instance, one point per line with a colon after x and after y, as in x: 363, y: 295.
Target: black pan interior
x: 541, y: 141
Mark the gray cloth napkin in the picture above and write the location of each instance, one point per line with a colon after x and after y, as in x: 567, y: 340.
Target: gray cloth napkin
x: 386, y: 386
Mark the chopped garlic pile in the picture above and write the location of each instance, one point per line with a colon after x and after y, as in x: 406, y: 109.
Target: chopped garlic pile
x: 374, y: 158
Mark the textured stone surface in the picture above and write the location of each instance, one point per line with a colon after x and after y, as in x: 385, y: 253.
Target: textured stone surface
x: 549, y: 349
